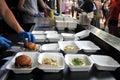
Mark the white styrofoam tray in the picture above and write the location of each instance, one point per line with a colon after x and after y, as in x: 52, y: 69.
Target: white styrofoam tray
x: 63, y: 44
x: 87, y: 46
x: 83, y: 34
x: 68, y: 36
x: 60, y: 25
x: 40, y: 38
x: 50, y: 32
x: 101, y: 62
x: 32, y: 55
x: 59, y: 17
x: 104, y: 62
x: 50, y: 47
x: 83, y: 57
x: 71, y: 25
x: 54, y: 37
x: 48, y: 67
x: 67, y: 18
x: 38, y: 32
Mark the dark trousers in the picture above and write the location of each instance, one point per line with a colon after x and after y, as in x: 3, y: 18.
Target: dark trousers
x: 96, y: 22
x: 113, y: 27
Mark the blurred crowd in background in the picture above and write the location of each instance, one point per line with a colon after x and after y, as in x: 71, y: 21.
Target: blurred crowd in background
x: 101, y: 12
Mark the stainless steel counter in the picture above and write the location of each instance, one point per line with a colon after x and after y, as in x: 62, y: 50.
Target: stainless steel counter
x: 105, y: 36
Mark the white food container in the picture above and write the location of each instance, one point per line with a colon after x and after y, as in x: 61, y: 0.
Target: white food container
x: 69, y: 36
x: 72, y: 25
x: 51, y: 32
x: 38, y: 32
x: 59, y: 17
x: 58, y: 57
x: 67, y: 18
x: 63, y: 44
x: 103, y: 62
x: 54, y: 37
x: 60, y: 25
x: 86, y: 67
x: 32, y: 55
x: 83, y: 34
x: 87, y: 46
x: 51, y: 47
x: 40, y: 38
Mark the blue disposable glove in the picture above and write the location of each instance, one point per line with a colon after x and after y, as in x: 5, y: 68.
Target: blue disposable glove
x: 36, y: 15
x: 4, y: 43
x: 56, y: 14
x: 26, y: 35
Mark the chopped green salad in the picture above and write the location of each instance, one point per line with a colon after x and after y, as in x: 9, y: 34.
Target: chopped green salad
x: 77, y: 62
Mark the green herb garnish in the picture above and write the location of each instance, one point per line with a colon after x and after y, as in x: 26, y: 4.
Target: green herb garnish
x: 77, y: 61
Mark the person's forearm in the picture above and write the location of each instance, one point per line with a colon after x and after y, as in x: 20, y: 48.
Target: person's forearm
x: 44, y: 5
x: 11, y: 20
x: 22, y: 9
x: 47, y: 7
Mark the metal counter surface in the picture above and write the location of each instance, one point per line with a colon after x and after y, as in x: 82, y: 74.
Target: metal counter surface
x: 105, y: 36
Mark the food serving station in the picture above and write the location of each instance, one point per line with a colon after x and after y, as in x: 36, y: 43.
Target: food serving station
x: 99, y: 50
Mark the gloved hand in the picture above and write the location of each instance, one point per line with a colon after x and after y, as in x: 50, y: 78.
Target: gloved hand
x: 56, y: 14
x: 4, y: 43
x: 26, y: 35
x: 36, y: 15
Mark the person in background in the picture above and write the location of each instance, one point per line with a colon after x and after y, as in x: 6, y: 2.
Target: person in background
x: 105, y: 10
x: 77, y: 8
x: 97, y: 13
x: 64, y: 6
x: 113, y: 17
x: 7, y: 15
x: 30, y: 12
x: 73, y: 8
x: 84, y: 6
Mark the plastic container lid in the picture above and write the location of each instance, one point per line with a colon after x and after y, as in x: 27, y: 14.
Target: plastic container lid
x: 103, y: 62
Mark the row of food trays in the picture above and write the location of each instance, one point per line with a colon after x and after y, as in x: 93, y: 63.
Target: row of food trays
x: 26, y: 62
x: 54, y: 36
x: 68, y: 47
